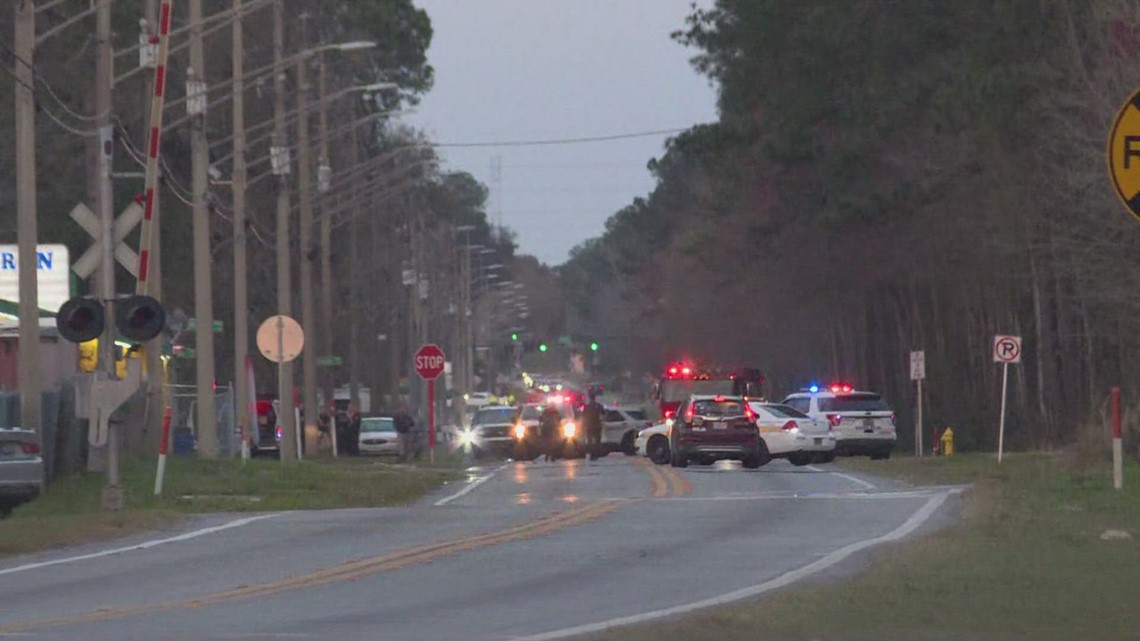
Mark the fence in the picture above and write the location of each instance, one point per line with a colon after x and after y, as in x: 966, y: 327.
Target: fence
x: 183, y: 400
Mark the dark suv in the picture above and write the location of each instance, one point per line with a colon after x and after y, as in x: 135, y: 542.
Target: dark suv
x: 710, y: 428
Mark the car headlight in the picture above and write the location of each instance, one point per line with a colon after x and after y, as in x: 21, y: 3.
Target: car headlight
x: 520, y: 431
x: 569, y: 429
x: 467, y: 437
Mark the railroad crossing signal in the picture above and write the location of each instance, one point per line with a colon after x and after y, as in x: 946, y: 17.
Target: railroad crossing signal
x: 126, y: 222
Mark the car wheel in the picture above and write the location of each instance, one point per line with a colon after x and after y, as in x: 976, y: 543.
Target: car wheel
x: 799, y: 459
x: 658, y: 450
x: 880, y: 456
x: 679, y: 460
x: 760, y: 458
x: 627, y: 444
x: 708, y: 460
x: 827, y: 457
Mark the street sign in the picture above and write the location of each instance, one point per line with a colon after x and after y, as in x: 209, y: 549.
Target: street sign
x: 53, y: 282
x: 280, y: 339
x: 917, y: 365
x: 330, y: 361
x: 217, y: 327
x: 1007, y: 349
x: 1124, y: 154
x: 429, y: 362
x: 123, y: 225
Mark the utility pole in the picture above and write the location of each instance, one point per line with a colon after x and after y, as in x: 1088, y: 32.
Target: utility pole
x: 308, y: 304
x: 324, y: 175
x: 241, y: 274
x: 206, y: 418
x: 24, y: 44
x: 354, y: 266
x: 112, y: 498
x: 281, y: 163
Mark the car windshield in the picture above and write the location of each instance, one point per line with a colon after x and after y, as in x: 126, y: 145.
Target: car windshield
x: 494, y: 416
x: 530, y: 412
x: 779, y: 411
x: 854, y: 403
x: 378, y: 424
x: 718, y: 408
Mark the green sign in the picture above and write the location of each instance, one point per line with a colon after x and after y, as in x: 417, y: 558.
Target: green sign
x: 192, y: 324
x: 330, y: 361
x: 184, y: 352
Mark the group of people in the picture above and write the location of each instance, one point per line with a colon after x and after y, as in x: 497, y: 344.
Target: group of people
x: 550, y: 431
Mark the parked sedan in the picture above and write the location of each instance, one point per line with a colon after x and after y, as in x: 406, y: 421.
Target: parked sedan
x: 791, y: 434
x: 620, y: 426
x: 378, y: 436
x: 21, y: 468
x: 653, y: 443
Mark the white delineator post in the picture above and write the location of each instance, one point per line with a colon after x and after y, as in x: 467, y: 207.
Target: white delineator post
x: 1117, y: 443
x: 163, y: 448
x: 1001, y: 422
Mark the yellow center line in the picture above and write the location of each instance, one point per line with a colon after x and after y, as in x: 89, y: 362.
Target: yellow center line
x: 658, y: 486
x: 678, y: 485
x: 350, y: 570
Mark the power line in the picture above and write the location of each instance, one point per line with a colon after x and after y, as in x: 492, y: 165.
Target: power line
x: 562, y: 141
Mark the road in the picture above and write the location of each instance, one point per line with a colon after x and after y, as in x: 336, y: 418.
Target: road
x: 519, y: 551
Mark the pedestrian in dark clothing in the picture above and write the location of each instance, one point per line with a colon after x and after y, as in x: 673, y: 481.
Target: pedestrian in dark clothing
x: 592, y: 426
x: 404, y: 425
x: 353, y: 445
x: 550, y: 432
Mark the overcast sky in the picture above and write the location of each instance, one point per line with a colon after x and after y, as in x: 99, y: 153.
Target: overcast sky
x: 510, y: 70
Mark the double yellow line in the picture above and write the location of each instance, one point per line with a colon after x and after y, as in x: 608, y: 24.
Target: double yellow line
x: 664, y: 481
x: 345, y: 571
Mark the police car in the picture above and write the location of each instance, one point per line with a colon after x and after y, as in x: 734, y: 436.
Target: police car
x: 862, y: 423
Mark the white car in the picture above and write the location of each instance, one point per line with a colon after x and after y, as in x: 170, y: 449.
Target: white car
x: 21, y: 468
x: 620, y: 426
x: 477, y: 399
x: 491, y: 431
x: 378, y: 436
x: 653, y: 443
x: 862, y: 422
x: 791, y: 434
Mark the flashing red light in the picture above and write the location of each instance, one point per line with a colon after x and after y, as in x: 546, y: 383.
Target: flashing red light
x: 789, y: 426
x: 719, y: 398
x: 835, y: 419
x: 835, y: 389
x: 672, y: 371
x: 669, y: 413
x: 685, y: 371
x: 847, y: 389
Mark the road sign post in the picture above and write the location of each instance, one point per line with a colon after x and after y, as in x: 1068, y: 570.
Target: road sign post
x: 1007, y: 350
x: 429, y: 363
x: 917, y: 374
x: 1117, y: 443
x: 281, y: 339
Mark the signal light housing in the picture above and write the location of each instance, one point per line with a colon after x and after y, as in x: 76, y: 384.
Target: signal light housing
x: 80, y: 320
x: 139, y: 318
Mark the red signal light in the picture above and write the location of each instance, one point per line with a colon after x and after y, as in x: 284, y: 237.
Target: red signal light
x: 835, y: 389
x: 685, y: 371
x: 673, y: 371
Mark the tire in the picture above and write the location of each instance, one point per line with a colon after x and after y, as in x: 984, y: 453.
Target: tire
x: 827, y: 457
x: 759, y: 459
x: 706, y: 461
x: 657, y: 450
x: 799, y: 459
x: 678, y: 460
x: 881, y: 456
x: 628, y: 447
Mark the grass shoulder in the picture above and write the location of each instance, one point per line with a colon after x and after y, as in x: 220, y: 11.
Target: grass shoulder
x: 1026, y: 561
x: 68, y: 513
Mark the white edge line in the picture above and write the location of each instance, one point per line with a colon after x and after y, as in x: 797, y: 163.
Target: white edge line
x: 470, y: 486
x: 141, y: 546
x: 854, y: 479
x: 832, y: 558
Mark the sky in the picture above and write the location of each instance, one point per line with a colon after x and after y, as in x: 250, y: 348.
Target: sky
x: 522, y: 70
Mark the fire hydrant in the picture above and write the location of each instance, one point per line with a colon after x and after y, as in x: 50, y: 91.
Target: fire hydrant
x: 948, y: 442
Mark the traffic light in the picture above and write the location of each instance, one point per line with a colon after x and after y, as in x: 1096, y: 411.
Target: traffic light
x: 514, y: 336
x: 80, y: 320
x: 139, y: 318
x: 594, y: 346
x: 542, y: 347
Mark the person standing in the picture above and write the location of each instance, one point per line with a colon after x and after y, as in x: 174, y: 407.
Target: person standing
x: 592, y: 425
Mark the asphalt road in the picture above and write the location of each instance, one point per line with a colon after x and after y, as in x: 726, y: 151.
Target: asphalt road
x: 522, y: 551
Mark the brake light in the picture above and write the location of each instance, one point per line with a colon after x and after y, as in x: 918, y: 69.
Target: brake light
x: 789, y: 426
x: 894, y: 419
x: 749, y: 413
x: 669, y: 413
x: 30, y: 448
x: 718, y: 398
x: 834, y: 419
x: 689, y: 413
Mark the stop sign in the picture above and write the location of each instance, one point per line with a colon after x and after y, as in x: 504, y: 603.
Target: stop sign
x: 429, y: 362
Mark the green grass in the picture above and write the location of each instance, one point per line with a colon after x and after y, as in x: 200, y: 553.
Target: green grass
x: 1025, y: 562
x: 69, y: 513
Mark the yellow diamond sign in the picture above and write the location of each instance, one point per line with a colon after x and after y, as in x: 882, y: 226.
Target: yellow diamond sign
x: 1124, y: 154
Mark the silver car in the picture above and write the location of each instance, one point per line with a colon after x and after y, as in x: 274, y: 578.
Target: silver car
x: 21, y: 468
x: 378, y: 436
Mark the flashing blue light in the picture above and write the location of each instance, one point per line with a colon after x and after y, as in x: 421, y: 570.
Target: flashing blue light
x: 813, y: 389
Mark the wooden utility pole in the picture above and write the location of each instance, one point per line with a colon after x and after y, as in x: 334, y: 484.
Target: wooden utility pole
x: 308, y: 302
x: 324, y: 177
x: 354, y: 269
x: 281, y: 164
x: 241, y: 273
x: 24, y: 44
x: 206, y: 414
